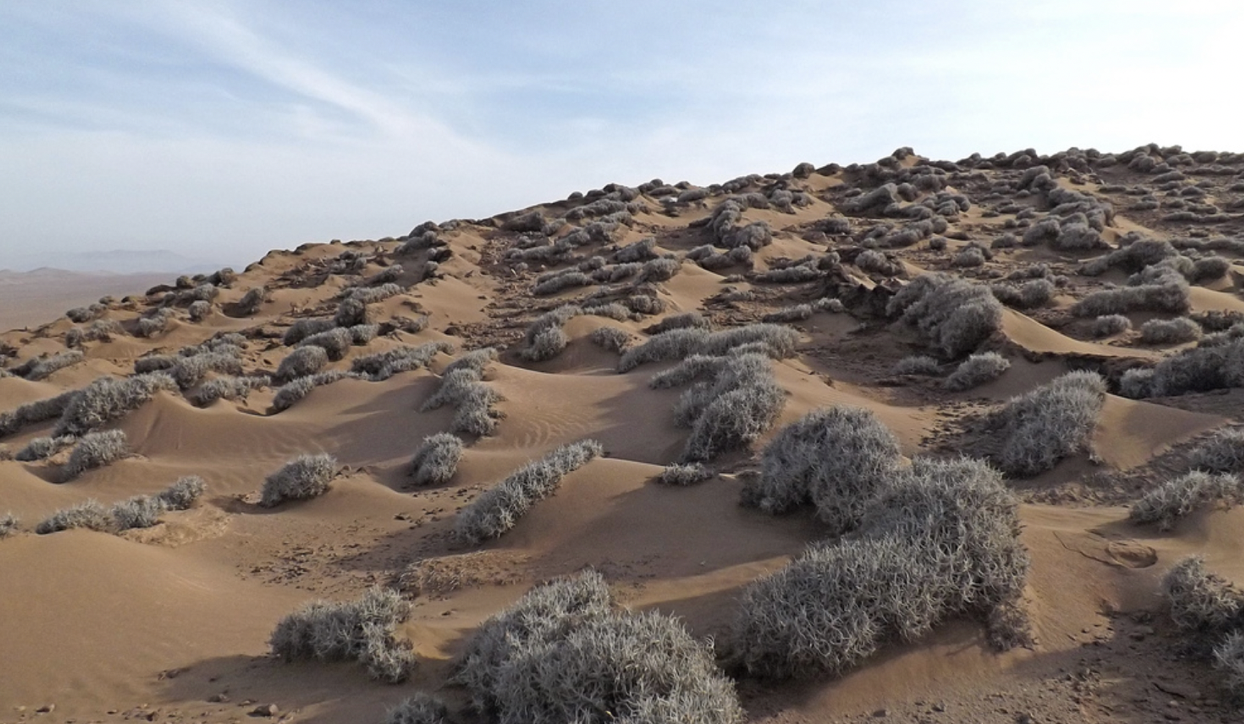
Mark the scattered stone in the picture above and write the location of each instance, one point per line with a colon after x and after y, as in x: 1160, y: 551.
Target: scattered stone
x: 268, y: 710
x: 46, y: 709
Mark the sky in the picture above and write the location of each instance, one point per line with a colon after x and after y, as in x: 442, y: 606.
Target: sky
x: 221, y: 130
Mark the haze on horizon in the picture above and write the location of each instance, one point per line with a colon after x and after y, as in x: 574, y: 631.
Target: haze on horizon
x: 224, y: 129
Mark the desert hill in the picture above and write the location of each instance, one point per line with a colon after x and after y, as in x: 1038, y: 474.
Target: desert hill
x: 911, y: 439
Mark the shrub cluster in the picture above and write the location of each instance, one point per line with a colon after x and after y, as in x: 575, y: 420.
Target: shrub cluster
x: 8, y: 525
x: 735, y: 400
x: 44, y: 447
x: 941, y: 540
x: 422, y: 708
x: 955, y: 314
x: 436, y: 460
x: 1209, y: 366
x: 140, y: 511
x: 462, y: 387
x: 364, y: 630
x: 498, y: 509
x: 918, y: 364
x: 1222, y: 452
x: 976, y: 370
x: 383, y: 365
x: 777, y: 341
x: 35, y: 412
x: 1169, y: 331
x: 613, y: 339
x: 94, y: 450
x: 301, y: 362
x: 1177, y: 498
x: 1049, y: 423
x: 1109, y: 325
x: 292, y: 392
x: 39, y: 368
x: 1210, y: 611
x: 682, y: 475
x: 563, y: 653
x: 107, y: 399
x: 228, y: 388
x: 836, y: 459
x: 306, y: 476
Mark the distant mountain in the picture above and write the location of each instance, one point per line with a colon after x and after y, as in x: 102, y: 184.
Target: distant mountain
x: 118, y: 261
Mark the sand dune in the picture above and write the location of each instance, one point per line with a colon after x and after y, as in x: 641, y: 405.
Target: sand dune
x: 172, y: 620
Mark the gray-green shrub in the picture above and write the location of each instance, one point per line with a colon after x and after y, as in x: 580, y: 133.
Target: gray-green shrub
x: 1169, y: 331
x: 976, y: 370
x: 955, y: 314
x: 836, y: 459
x: 680, y: 474
x: 383, y: 365
x: 436, y: 460
x: 1179, y: 497
x: 422, y: 708
x: 306, y: 476
x: 941, y: 541
x: 498, y: 509
x: 917, y: 364
x: 94, y: 450
x: 1109, y: 325
x: 1222, y: 452
x: 1045, y: 425
x: 302, y: 362
x: 563, y: 653
x: 90, y: 514
x: 363, y: 630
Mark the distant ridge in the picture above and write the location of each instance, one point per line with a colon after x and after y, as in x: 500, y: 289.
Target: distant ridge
x: 117, y: 261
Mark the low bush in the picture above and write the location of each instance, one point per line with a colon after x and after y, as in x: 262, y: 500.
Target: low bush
x: 250, y: 302
x: 154, y: 324
x: 44, y: 447
x: 1045, y: 425
x: 498, y: 509
x: 94, y: 450
x: 941, y: 541
x: 303, y: 328
x: 140, y: 511
x: 198, y: 310
x: 563, y: 653
x: 685, y: 320
x: 1202, y: 603
x: 462, y: 387
x: 796, y: 313
x: 306, y: 476
x: 335, y: 342
x: 559, y: 282
x: 956, y: 315
x: 292, y: 392
x: 1169, y: 331
x: 613, y: 339
x: 301, y: 362
x: 836, y: 458
x: 1222, y: 452
x: 917, y: 365
x: 422, y: 708
x: 91, y: 515
x: 977, y: 370
x: 1229, y: 659
x: 1166, y: 293
x: 739, y: 402
x: 1177, y: 498
x: 38, y: 411
x: 228, y: 388
x: 679, y: 474
x: 183, y: 494
x: 364, y: 630
x: 383, y: 365
x: 1198, y: 369
x: 436, y: 460
x: 1109, y: 325
x: 659, y: 270
x: 41, y: 368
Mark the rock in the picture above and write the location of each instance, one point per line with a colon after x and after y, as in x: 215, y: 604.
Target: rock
x: 46, y: 709
x: 268, y: 710
x: 220, y: 698
x: 881, y: 713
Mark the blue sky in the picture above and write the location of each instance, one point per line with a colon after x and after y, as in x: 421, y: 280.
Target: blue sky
x: 224, y: 129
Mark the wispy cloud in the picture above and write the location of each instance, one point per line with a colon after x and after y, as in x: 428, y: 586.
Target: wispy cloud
x: 246, y: 125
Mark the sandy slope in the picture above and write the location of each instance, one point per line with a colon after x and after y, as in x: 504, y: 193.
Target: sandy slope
x: 175, y: 618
